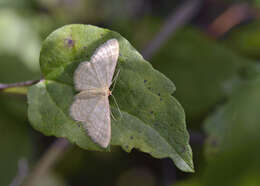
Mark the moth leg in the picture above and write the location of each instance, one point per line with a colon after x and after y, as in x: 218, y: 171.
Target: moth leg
x: 120, y: 113
x: 113, y: 117
x: 115, y: 80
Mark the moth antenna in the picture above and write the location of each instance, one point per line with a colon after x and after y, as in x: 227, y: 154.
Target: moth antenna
x: 117, y: 106
x: 115, y: 80
x: 113, y: 117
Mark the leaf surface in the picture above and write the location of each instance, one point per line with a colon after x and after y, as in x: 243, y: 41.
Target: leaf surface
x: 152, y: 119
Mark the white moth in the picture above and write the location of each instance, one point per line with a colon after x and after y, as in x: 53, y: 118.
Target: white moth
x: 93, y: 79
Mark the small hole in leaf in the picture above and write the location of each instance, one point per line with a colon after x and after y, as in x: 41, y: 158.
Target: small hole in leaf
x: 151, y: 112
x: 159, y: 94
x: 145, y: 81
x: 160, y: 99
x: 131, y: 137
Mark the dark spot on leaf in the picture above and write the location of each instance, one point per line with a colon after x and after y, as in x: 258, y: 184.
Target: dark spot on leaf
x: 78, y: 125
x: 156, y: 124
x: 70, y: 42
x: 151, y: 112
x: 145, y: 81
x: 183, y: 150
x: 131, y: 137
x: 126, y: 147
x: 149, y: 88
x: 159, y: 94
x: 85, y: 47
x: 160, y: 99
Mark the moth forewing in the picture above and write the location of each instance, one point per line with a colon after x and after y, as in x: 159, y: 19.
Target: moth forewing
x: 93, y: 79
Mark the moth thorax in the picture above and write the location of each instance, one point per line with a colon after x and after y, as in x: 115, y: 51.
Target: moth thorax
x: 109, y: 93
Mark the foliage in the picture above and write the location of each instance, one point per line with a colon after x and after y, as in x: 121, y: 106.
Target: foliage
x: 217, y: 82
x: 199, y: 67
x: 245, y: 40
x: 153, y: 121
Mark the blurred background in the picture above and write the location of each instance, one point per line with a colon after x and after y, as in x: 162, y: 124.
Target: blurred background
x: 209, y: 48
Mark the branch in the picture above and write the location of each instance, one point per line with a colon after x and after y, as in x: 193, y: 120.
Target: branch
x: 19, y: 84
x: 233, y: 16
x: 179, y: 18
x: 21, y: 173
x: 50, y: 157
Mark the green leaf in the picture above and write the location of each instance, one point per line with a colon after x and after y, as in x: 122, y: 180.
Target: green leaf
x: 15, y: 139
x: 199, y: 67
x: 19, y: 48
x: 245, y: 40
x: 257, y: 3
x: 239, y: 117
x: 235, y: 130
x: 153, y: 121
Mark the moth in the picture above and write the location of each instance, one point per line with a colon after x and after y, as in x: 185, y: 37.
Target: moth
x: 92, y: 79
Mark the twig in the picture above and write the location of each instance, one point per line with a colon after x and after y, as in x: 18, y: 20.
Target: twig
x: 49, y: 158
x: 229, y: 18
x: 19, y: 84
x: 21, y: 173
x: 179, y: 17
